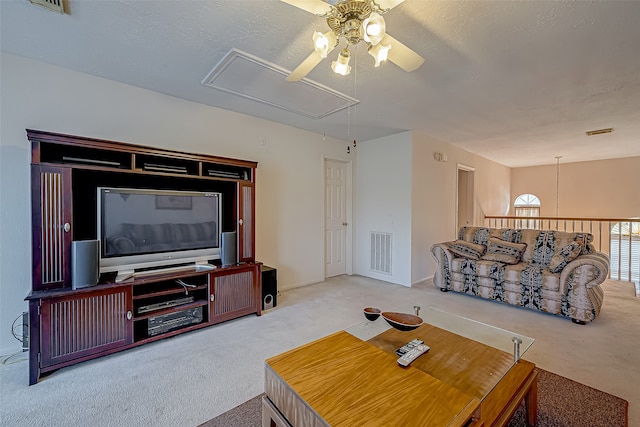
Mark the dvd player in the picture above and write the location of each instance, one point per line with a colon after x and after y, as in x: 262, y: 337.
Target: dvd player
x: 164, y: 304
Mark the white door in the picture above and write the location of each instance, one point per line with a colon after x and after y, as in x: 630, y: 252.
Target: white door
x: 335, y: 207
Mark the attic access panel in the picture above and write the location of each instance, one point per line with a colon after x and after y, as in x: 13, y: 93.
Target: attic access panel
x: 250, y: 77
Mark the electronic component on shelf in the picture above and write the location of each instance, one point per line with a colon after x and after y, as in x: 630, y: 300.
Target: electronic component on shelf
x: 165, y: 168
x: 164, y: 304
x: 92, y: 161
x: 223, y: 174
x: 168, y: 322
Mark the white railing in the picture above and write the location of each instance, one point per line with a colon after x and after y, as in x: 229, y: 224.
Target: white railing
x: 617, y: 237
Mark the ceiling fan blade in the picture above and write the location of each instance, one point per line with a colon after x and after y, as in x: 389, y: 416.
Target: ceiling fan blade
x: 401, y: 55
x: 388, y: 4
x: 312, y: 60
x: 317, y: 7
x: 305, y: 68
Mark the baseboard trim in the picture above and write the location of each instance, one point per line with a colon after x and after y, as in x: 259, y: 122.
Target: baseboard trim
x: 428, y: 281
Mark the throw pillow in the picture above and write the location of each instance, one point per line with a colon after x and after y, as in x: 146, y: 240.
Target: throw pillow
x: 464, y: 249
x: 585, y: 239
x: 503, y: 251
x: 565, y: 256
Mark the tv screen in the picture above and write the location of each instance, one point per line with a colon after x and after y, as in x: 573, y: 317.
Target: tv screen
x: 141, y: 228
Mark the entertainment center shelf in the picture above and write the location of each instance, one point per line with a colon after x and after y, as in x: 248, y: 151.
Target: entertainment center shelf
x: 78, y: 151
x: 72, y: 322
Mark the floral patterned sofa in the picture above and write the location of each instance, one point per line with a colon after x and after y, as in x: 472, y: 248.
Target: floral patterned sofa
x: 550, y: 271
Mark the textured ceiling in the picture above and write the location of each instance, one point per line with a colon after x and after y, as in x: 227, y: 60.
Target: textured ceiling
x: 518, y: 82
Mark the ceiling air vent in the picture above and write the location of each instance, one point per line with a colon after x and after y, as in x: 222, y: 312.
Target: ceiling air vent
x: 599, y: 131
x: 53, y: 5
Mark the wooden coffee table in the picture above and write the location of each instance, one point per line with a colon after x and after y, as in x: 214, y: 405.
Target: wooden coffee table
x: 352, y: 378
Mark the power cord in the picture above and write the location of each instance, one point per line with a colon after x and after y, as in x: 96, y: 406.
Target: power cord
x: 6, y: 361
x: 13, y: 329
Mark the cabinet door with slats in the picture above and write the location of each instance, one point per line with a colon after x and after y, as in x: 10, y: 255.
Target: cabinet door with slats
x: 246, y: 222
x: 51, y: 224
x: 236, y: 293
x: 80, y: 325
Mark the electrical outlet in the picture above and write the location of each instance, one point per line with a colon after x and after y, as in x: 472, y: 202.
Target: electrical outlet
x: 25, y: 331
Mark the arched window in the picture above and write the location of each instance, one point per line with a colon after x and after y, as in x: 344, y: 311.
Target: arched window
x: 527, y: 205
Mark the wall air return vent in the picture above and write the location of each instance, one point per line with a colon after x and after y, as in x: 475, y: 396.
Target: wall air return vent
x: 380, y: 252
x: 53, y: 5
x: 250, y: 77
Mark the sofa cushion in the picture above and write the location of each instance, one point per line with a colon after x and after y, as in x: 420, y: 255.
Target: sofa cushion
x: 466, y: 249
x: 479, y: 268
x: 585, y: 240
x: 503, y: 251
x: 544, y: 245
x: 478, y: 235
x: 531, y: 275
x: 564, y: 256
x: 508, y: 235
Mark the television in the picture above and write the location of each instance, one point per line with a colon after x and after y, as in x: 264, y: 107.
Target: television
x: 142, y: 231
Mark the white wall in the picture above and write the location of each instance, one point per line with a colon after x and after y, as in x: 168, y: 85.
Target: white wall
x: 402, y: 189
x: 602, y: 188
x: 383, y: 204
x: 43, y: 97
x: 434, y: 197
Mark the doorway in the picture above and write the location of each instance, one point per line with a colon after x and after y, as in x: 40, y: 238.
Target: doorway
x: 337, y: 217
x: 464, y: 196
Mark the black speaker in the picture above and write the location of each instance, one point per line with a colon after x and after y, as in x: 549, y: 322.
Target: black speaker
x: 269, y: 287
x: 228, y: 252
x: 85, y: 263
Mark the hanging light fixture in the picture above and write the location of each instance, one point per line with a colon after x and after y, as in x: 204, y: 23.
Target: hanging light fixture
x: 341, y: 65
x: 357, y: 21
x: 373, y: 28
x: 558, y: 185
x: 323, y: 42
x: 379, y: 52
x: 354, y: 21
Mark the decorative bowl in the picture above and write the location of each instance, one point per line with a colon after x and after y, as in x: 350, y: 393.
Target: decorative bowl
x: 372, y: 313
x: 402, y: 321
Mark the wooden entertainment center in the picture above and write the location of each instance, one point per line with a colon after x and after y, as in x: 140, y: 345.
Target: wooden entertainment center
x: 69, y: 326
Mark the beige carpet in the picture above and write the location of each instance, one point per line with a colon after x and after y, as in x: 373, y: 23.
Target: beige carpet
x: 561, y: 402
x: 191, y: 378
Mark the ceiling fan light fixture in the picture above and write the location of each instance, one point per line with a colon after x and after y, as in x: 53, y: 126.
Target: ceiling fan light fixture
x: 374, y: 28
x: 380, y: 53
x: 354, y: 21
x: 321, y: 44
x: 341, y: 65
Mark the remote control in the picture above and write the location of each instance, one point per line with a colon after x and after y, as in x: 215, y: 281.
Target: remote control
x: 408, y: 346
x: 413, y: 354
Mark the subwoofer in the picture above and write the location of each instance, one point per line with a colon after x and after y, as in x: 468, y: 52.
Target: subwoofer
x: 85, y: 263
x: 228, y: 252
x: 269, y: 287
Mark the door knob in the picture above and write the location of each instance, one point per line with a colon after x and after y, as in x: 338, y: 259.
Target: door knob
x: 344, y: 223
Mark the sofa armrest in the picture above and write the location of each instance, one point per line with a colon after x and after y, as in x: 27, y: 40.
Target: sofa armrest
x: 586, y: 270
x: 443, y: 257
x: 579, y: 286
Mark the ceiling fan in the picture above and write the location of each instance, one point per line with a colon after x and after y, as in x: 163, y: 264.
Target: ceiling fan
x: 355, y: 21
